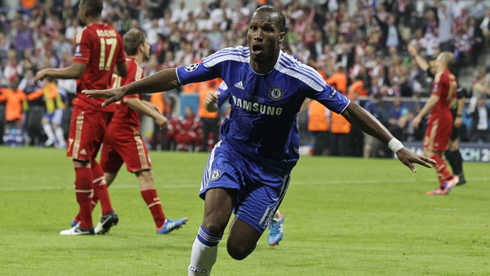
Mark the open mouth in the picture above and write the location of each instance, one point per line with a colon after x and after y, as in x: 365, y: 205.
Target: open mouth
x: 256, y: 49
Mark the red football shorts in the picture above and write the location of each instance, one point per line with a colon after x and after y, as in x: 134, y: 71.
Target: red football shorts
x: 87, y: 128
x: 438, y: 134
x: 124, y: 144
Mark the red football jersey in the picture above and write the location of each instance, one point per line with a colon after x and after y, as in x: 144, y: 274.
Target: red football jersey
x: 100, y: 47
x: 124, y: 114
x: 444, y: 86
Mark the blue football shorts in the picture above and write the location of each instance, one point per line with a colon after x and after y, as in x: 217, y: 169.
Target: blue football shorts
x: 260, y: 188
x: 55, y: 118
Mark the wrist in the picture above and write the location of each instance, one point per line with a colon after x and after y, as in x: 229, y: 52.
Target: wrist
x: 395, y: 145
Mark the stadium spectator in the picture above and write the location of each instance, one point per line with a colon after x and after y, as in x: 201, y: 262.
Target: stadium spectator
x: 55, y: 108
x: 485, y: 27
x: 254, y: 139
x: 15, y: 102
x: 188, y: 132
x: 476, y: 40
x: 209, y: 120
x: 158, y: 138
x: 445, y: 28
x: 371, y: 144
x: 13, y: 70
x: 98, y: 51
x: 180, y: 14
x: 318, y: 125
x: 390, y: 35
x: 480, y: 114
x: 480, y: 86
x: 477, y: 9
x: 440, y: 123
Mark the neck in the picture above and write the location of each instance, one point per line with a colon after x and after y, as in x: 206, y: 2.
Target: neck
x: 138, y: 57
x: 264, y: 67
x: 91, y: 20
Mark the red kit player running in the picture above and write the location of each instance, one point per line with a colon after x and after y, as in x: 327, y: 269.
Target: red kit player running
x: 440, y: 124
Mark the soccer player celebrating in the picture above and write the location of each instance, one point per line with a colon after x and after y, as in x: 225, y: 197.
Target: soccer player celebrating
x: 440, y: 124
x: 452, y: 153
x: 248, y: 171
x: 123, y: 142
x: 98, y: 51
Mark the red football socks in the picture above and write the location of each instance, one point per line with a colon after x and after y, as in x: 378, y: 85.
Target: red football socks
x: 153, y: 202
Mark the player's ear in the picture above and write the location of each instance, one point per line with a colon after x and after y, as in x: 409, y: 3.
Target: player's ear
x: 282, y: 35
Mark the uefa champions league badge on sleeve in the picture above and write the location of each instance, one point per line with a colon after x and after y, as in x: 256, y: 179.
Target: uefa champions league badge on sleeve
x: 215, y: 175
x: 191, y: 67
x: 77, y: 51
x: 276, y: 93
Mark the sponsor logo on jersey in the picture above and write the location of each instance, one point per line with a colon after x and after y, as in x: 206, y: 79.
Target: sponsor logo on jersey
x: 239, y: 85
x: 191, y: 67
x: 333, y: 94
x: 276, y: 93
x: 215, y: 175
x: 256, y: 107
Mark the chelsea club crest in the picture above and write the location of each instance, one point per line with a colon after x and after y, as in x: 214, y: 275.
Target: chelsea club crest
x: 276, y: 93
x: 216, y: 174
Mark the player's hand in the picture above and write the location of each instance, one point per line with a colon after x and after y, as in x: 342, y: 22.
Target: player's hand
x: 408, y: 158
x: 211, y: 101
x: 458, y: 122
x: 39, y: 77
x: 416, y: 122
x: 162, y: 122
x: 154, y: 106
x: 412, y: 50
x: 113, y: 95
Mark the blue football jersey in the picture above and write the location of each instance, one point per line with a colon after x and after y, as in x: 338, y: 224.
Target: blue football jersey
x: 264, y: 107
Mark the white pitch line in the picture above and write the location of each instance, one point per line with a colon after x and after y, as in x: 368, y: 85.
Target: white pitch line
x: 197, y: 184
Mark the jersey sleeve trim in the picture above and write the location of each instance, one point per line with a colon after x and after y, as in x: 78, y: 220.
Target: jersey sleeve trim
x: 345, y: 107
x: 178, y: 79
x: 306, y: 74
x: 240, y: 54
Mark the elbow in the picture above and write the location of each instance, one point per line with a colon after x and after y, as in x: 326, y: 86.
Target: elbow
x: 123, y: 73
x: 78, y: 74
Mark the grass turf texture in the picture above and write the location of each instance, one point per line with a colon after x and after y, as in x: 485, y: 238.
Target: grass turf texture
x: 343, y: 216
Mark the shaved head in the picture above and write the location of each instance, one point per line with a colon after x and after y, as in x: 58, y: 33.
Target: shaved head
x: 447, y: 58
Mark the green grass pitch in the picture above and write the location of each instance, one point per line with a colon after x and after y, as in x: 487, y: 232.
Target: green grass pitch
x: 343, y: 216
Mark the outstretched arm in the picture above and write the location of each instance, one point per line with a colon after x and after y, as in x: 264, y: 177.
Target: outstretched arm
x: 75, y: 71
x: 163, y: 80
x: 366, y: 122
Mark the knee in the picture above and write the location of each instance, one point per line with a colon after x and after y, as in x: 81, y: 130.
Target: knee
x: 428, y: 153
x: 239, y: 251
x: 146, y: 179
x: 214, y: 227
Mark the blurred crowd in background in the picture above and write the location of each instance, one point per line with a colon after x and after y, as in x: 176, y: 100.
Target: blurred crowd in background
x: 360, y: 47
